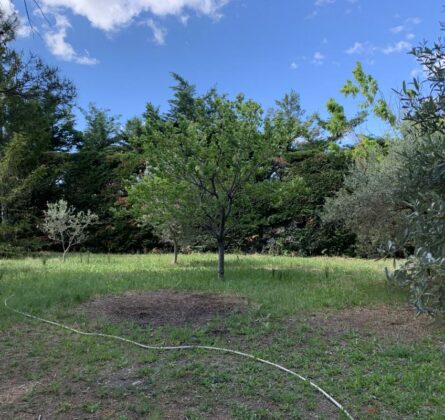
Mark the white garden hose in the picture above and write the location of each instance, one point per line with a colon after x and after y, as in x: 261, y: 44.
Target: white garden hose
x: 209, y: 348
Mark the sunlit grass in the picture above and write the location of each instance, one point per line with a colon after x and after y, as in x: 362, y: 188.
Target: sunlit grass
x: 372, y: 375
x: 282, y: 285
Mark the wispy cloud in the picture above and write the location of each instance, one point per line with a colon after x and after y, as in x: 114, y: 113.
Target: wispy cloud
x: 318, y: 4
x: 184, y: 19
x: 397, y: 29
x: 414, y: 20
x: 24, y: 30
x: 360, y: 48
x: 159, y: 33
x: 368, y: 48
x: 406, y: 27
x: 318, y: 58
x: 110, y: 15
x: 398, y: 47
x: 55, y: 39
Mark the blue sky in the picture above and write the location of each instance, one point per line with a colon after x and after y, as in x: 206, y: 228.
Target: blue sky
x: 120, y: 53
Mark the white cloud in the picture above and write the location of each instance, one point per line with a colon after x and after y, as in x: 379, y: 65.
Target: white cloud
x: 361, y: 48
x: 294, y: 65
x: 55, y: 39
x: 319, y: 3
x: 318, y: 58
x: 357, y: 48
x: 184, y: 19
x: 398, y: 47
x: 397, y: 29
x: 311, y: 15
x: 367, y: 48
x: 7, y: 6
x: 410, y: 36
x: 159, y: 33
x: 24, y: 29
x: 110, y: 15
x: 414, y: 20
x: 406, y: 27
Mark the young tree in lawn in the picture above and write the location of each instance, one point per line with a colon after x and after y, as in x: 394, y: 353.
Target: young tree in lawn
x: 64, y: 225
x: 163, y: 205
x: 217, y: 147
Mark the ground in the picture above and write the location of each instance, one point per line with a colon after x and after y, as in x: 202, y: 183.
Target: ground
x: 335, y: 321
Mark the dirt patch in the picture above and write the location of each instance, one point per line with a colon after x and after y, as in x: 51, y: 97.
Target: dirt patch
x: 12, y: 393
x: 164, y: 307
x: 398, y: 323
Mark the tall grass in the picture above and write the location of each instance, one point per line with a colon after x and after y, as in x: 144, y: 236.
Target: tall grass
x: 279, y: 285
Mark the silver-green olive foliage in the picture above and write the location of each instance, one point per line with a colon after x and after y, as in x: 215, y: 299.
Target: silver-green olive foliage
x: 400, y: 192
x: 65, y: 226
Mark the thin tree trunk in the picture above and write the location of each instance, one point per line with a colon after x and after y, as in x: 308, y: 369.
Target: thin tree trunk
x: 4, y: 214
x: 65, y: 248
x: 221, y: 250
x: 4, y: 217
x: 175, y: 251
x: 221, y: 245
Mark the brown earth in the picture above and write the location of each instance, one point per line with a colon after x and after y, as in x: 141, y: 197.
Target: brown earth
x: 164, y: 307
x: 399, y: 323
x: 11, y: 393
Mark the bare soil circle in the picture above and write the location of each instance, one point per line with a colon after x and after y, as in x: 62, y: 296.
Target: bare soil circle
x: 397, y: 323
x: 164, y: 307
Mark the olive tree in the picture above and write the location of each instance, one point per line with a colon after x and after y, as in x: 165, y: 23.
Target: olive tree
x: 366, y: 204
x: 421, y: 187
x: 395, y: 201
x: 64, y: 225
x: 422, y: 184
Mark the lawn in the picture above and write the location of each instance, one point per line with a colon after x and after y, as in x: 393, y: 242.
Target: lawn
x: 333, y: 320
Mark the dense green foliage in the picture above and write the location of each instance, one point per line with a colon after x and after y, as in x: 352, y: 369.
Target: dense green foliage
x: 421, y: 185
x: 36, y: 127
x: 366, y: 204
x: 260, y: 178
x: 215, y: 172
x: 394, y: 196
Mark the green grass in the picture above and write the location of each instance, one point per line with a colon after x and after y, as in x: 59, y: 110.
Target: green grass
x: 281, y: 284
x: 372, y: 375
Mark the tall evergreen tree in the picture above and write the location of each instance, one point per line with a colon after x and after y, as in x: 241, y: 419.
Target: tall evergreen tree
x: 36, y: 126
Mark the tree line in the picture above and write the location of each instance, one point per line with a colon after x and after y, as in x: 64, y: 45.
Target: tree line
x: 261, y: 177
x: 214, y: 173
